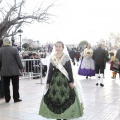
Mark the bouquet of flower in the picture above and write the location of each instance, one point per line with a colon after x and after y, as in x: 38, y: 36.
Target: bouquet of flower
x: 88, y: 55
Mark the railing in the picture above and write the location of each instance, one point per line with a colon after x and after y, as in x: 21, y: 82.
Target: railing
x: 32, y: 69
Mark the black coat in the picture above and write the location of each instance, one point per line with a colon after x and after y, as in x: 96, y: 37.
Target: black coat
x: 10, y: 61
x: 99, y: 55
x: 118, y: 54
x: 72, y: 54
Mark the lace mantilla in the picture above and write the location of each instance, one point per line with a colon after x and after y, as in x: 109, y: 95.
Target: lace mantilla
x: 63, y: 59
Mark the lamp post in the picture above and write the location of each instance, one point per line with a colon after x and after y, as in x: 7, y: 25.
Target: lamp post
x: 13, y: 40
x: 20, y: 31
x: 38, y: 45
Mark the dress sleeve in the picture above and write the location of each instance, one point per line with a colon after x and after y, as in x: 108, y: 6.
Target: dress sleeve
x: 50, y: 73
x: 68, y: 68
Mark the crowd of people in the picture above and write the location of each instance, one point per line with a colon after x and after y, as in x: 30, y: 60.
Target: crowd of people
x: 93, y: 61
x: 33, y: 64
x: 62, y: 98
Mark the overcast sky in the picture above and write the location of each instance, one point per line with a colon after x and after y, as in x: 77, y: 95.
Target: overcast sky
x: 77, y: 20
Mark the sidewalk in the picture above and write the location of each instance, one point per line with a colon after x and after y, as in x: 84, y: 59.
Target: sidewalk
x: 101, y: 103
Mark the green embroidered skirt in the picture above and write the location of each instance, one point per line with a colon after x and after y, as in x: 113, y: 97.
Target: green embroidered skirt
x: 60, y: 101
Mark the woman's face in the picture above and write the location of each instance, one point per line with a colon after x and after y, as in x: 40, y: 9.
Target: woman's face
x: 59, y: 48
x: 89, y: 46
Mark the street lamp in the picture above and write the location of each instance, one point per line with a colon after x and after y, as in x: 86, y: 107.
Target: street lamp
x: 38, y: 45
x: 13, y: 40
x: 20, y: 31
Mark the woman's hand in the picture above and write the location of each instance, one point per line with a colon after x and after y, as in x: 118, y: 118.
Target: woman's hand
x: 47, y: 86
x: 71, y: 85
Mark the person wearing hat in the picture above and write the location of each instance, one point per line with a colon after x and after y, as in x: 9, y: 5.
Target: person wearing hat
x: 11, y: 66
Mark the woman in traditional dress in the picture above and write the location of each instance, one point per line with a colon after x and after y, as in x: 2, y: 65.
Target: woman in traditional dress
x: 87, y: 66
x: 62, y: 99
x: 114, y: 62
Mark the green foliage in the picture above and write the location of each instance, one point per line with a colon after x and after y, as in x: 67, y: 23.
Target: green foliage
x: 25, y: 46
x: 82, y: 43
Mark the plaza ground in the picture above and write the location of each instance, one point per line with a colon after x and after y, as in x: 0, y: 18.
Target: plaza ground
x: 101, y: 103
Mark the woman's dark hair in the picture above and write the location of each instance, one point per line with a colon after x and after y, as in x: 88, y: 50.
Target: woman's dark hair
x: 1, y: 42
x: 60, y: 43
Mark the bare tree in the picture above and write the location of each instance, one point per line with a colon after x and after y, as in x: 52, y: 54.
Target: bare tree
x: 14, y: 17
x: 115, y: 37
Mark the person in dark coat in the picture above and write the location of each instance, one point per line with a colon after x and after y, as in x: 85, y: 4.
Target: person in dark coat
x: 118, y: 57
x: 11, y: 66
x: 107, y: 54
x: 77, y: 56
x: 99, y: 56
x: 1, y: 78
x: 72, y: 55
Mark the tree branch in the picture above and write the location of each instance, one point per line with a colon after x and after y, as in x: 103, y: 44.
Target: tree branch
x: 14, y: 18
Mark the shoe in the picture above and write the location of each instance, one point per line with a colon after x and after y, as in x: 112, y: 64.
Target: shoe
x: 87, y: 77
x: 1, y: 96
x: 19, y: 100
x: 112, y: 77
x: 43, y: 75
x: 101, y: 85
x: 96, y: 84
x: 7, y: 100
x: 99, y: 77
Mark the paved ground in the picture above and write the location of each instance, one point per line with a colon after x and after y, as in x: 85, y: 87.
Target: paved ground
x: 100, y: 103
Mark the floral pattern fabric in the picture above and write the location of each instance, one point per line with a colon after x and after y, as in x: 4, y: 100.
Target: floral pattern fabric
x: 59, y: 96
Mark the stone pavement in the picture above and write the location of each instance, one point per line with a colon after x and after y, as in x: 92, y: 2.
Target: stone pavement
x: 101, y: 103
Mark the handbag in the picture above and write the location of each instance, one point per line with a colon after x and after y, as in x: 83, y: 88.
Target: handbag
x: 115, y: 64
